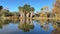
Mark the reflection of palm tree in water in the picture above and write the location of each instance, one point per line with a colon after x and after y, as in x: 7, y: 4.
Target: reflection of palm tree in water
x: 44, y: 25
x: 0, y: 25
x: 25, y: 25
x: 56, y: 28
x: 3, y: 23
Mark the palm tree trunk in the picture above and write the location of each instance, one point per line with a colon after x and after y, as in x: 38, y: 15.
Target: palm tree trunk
x: 20, y: 15
x: 31, y: 15
x: 23, y: 15
x: 27, y: 15
x: 27, y: 21
x: 31, y: 22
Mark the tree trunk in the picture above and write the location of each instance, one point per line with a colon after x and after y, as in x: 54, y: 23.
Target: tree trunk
x: 23, y: 15
x: 20, y: 14
x: 27, y: 15
x: 31, y: 22
x: 27, y: 21
x: 31, y: 15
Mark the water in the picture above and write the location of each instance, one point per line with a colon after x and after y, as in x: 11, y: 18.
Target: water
x: 28, y: 26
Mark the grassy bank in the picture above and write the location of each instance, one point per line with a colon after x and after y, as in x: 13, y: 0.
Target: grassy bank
x: 39, y: 18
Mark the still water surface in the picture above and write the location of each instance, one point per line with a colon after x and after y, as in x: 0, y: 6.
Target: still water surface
x: 28, y: 26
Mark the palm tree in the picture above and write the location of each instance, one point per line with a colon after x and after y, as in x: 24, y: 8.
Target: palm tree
x: 45, y: 11
x: 21, y: 11
x: 31, y: 11
x: 41, y: 8
x: 26, y: 10
x: 1, y: 7
x: 4, y: 12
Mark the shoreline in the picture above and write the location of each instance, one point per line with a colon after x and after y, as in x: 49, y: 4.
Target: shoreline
x: 17, y: 17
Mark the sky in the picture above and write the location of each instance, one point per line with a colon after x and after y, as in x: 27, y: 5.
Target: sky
x: 13, y: 5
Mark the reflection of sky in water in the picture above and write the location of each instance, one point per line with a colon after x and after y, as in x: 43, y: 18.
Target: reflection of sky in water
x: 9, y: 28
x: 13, y: 29
x: 38, y: 29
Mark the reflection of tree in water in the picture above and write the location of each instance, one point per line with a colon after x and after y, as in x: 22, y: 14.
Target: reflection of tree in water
x: 0, y: 25
x: 56, y: 28
x: 38, y: 21
x: 44, y: 24
x: 26, y: 26
x: 5, y: 22
x: 14, y: 21
x: 45, y: 27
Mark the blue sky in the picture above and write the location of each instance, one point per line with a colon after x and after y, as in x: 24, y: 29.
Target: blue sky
x: 12, y: 5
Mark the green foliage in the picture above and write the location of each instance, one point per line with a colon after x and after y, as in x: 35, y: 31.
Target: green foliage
x: 41, y: 8
x: 26, y: 8
x: 1, y: 7
x: 25, y: 27
x: 32, y: 9
x: 20, y: 9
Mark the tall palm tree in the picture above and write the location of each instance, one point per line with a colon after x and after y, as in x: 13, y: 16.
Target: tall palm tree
x: 21, y: 11
x: 26, y: 10
x: 31, y: 11
x: 45, y: 11
x: 1, y: 7
x: 41, y: 9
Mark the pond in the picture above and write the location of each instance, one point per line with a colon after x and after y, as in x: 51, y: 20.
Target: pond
x: 29, y: 26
